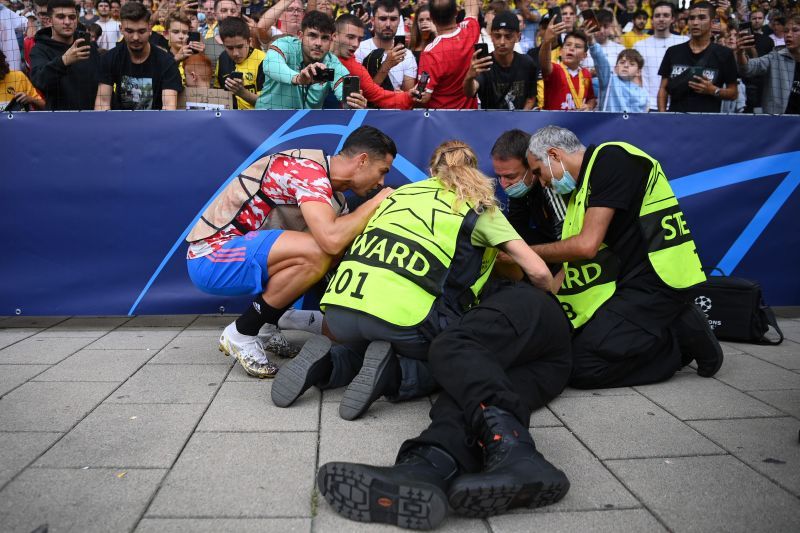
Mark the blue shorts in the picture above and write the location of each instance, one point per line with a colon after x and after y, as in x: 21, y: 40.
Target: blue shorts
x: 239, y: 267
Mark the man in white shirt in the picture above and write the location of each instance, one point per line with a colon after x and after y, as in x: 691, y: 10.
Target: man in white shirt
x: 398, y: 61
x: 12, y: 27
x: 110, y: 36
x: 653, y: 49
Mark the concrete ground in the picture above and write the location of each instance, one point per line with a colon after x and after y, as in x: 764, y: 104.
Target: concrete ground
x: 140, y: 424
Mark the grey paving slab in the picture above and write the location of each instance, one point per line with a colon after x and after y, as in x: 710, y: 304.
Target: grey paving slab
x: 777, y: 456
x: 12, y: 376
x: 77, y: 500
x: 30, y: 321
x: 106, y: 323
x: 132, y: 436
x: 50, y: 406
x: 629, y: 426
x: 717, y: 493
x: 135, y: 339
x: 88, y: 334
x: 12, y: 335
x: 374, y: 438
x: 191, y: 350
x: 97, y: 365
x: 544, y: 417
x: 214, y: 322
x: 746, y: 372
x: 328, y: 521
x: 689, y: 396
x: 246, y: 406
x: 233, y: 475
x: 17, y: 450
x: 171, y: 384
x: 610, y: 521
x: 160, y: 321
x: 216, y: 525
x: 591, y: 485
x: 621, y: 391
x: 787, y: 401
x: 786, y: 355
x: 41, y: 351
x: 730, y: 348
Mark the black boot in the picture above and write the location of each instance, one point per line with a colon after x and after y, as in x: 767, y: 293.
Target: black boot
x: 696, y: 341
x: 311, y: 366
x: 379, y: 375
x: 514, y: 473
x: 411, y: 494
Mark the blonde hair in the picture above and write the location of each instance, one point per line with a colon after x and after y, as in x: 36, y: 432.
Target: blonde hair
x: 455, y: 165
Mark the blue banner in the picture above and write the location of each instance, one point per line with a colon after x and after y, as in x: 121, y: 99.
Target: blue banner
x: 96, y: 206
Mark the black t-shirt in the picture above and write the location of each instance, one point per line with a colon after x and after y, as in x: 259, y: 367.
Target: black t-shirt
x: 508, y: 87
x: 139, y: 86
x: 617, y: 181
x: 719, y: 67
x: 793, y: 107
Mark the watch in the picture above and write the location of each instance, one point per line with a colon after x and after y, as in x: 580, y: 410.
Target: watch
x: 716, y: 92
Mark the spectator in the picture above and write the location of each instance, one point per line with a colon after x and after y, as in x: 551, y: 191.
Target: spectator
x: 89, y: 16
x: 222, y: 10
x: 781, y: 68
x: 625, y: 17
x: 531, y: 13
x: 137, y: 75
x: 567, y: 86
x: 16, y: 87
x: 763, y: 45
x: 620, y: 90
x: 682, y: 23
x: 381, y: 56
x: 291, y: 19
x: 728, y: 39
x: 525, y: 42
x: 42, y: 20
x: 110, y: 27
x: 654, y: 47
x: 495, y: 8
x: 698, y: 74
x: 209, y: 25
x: 40, y: 10
x: 12, y: 27
x: 62, y: 68
x: 198, y: 71
x: 423, y: 32
x: 638, y: 32
x: 291, y: 85
x: 266, y: 29
x: 239, y: 56
x: 448, y: 58
x: 602, y: 37
x: 95, y: 31
x: 506, y: 79
x: 777, y: 23
x: 349, y: 33
x: 114, y: 10
x: 178, y: 26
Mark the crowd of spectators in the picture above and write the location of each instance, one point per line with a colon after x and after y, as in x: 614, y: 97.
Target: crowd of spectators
x: 710, y: 56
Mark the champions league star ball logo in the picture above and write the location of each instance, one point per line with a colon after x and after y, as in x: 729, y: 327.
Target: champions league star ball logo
x: 704, y: 303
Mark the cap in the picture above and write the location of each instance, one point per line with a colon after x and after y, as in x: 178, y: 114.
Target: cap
x: 505, y: 21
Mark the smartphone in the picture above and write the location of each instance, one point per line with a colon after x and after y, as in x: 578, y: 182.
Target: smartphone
x: 422, y: 84
x: 555, y: 15
x: 697, y: 71
x: 236, y: 75
x: 482, y: 49
x: 194, y: 36
x: 85, y: 36
x: 350, y: 85
x: 323, y: 75
x: 588, y: 17
x: 399, y: 39
x: 746, y: 27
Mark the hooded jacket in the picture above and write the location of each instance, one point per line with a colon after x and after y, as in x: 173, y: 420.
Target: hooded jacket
x: 64, y: 87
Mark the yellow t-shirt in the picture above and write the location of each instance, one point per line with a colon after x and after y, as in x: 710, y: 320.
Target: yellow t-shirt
x: 631, y: 38
x: 16, y: 82
x: 252, y: 74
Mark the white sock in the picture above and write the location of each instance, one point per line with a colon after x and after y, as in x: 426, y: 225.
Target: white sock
x: 310, y: 321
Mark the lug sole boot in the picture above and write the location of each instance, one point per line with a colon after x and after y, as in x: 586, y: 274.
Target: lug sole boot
x: 311, y: 365
x: 379, y: 371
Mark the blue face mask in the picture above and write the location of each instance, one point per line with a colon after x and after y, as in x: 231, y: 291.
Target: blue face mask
x: 518, y: 189
x: 201, y: 17
x: 566, y: 184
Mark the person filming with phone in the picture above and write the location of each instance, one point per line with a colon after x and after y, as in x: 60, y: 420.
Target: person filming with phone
x: 300, y: 72
x: 385, y: 55
x: 64, y: 63
x: 239, y: 66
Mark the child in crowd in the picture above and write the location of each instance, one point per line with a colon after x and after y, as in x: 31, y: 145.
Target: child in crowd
x: 17, y: 88
x: 621, y: 89
x: 239, y: 66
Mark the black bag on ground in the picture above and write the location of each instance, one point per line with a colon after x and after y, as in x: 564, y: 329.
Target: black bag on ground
x: 735, y: 309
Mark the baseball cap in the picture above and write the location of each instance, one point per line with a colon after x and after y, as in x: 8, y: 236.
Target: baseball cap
x: 505, y: 21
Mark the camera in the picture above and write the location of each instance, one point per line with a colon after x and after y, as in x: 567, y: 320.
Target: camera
x: 323, y: 75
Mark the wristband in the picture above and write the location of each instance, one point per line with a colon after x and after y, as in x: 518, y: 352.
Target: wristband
x: 716, y: 92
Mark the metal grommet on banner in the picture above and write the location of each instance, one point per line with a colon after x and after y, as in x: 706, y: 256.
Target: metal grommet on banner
x: 221, y: 307
x: 11, y: 116
x: 427, y: 114
x: 17, y: 311
x: 625, y: 116
x: 218, y: 114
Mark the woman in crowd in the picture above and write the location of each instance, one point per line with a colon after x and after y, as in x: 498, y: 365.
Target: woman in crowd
x: 423, y: 32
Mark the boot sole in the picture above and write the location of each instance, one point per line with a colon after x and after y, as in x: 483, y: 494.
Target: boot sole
x: 360, y: 493
x: 480, y: 500
x: 290, y: 382
x: 360, y: 393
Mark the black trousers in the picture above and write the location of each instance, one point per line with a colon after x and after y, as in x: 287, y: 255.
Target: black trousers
x: 630, y: 339
x: 512, y: 351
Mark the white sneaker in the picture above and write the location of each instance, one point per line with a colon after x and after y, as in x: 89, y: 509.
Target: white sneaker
x: 277, y: 344
x: 248, y: 351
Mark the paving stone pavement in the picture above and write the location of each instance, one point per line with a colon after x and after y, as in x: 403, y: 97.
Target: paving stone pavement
x: 140, y: 424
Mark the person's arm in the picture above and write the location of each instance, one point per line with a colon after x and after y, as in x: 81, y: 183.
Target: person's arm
x: 546, y: 49
x: 472, y: 8
x: 171, y: 83
x: 702, y: 85
x: 169, y: 99
x: 393, y: 58
x: 601, y: 66
x: 585, y: 245
x: 527, y: 13
x: 376, y: 94
x: 531, y: 264
x: 471, y: 84
x: 102, y: 101
x: 663, y: 95
x: 334, y: 234
x: 270, y: 18
x: 276, y: 69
